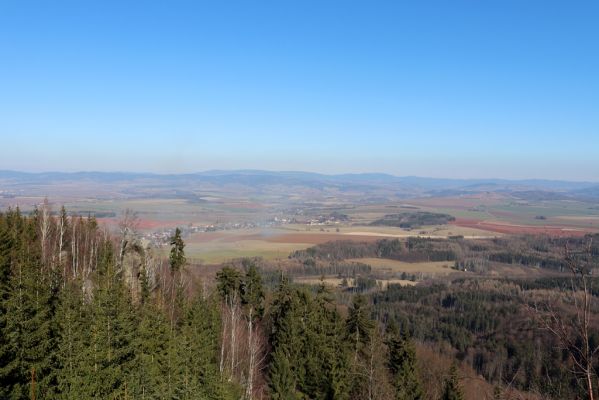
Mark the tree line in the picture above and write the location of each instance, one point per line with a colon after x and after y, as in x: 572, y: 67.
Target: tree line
x: 474, y: 255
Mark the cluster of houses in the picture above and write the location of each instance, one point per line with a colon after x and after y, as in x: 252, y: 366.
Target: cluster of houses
x: 333, y: 218
x: 163, y: 236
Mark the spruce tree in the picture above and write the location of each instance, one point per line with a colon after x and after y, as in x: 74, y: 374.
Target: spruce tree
x: 309, y: 334
x: 252, y: 291
x: 359, y: 325
x: 110, y: 353
x: 200, y: 333
x: 6, y: 246
x: 177, y: 258
x: 281, y: 381
x: 151, y: 342
x: 452, y: 389
x: 287, y: 337
x: 29, y: 338
x: 402, y: 364
x: 325, y: 350
x: 359, y: 329
x: 73, y: 340
x: 228, y: 283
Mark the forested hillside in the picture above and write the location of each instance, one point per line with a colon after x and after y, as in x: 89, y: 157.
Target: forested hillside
x: 85, y: 314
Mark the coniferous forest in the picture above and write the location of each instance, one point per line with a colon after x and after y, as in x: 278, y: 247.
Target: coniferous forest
x: 88, y: 315
x: 85, y: 314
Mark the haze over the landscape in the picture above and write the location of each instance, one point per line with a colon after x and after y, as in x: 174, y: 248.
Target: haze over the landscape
x: 444, y: 89
x: 299, y: 200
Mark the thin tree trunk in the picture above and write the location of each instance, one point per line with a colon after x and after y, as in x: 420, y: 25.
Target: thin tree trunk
x: 371, y: 369
x: 357, y: 343
x: 252, y: 349
x: 590, y: 383
x: 45, y: 228
x: 222, y: 347
x: 233, y: 333
x: 60, y: 244
x: 73, y: 244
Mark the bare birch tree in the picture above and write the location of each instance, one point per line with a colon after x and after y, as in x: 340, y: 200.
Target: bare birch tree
x: 44, y: 213
x: 252, y: 298
x: 229, y: 281
x: 62, y: 230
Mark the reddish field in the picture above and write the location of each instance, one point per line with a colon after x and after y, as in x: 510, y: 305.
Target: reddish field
x: 507, y: 228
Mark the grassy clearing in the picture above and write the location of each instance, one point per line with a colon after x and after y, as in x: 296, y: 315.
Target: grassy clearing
x: 394, y: 266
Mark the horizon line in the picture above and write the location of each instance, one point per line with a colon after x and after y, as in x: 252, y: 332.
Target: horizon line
x: 256, y: 170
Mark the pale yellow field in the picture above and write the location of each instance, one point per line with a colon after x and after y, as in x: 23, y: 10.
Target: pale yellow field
x: 430, y: 267
x: 440, y: 231
x: 278, y: 242
x: 217, y: 252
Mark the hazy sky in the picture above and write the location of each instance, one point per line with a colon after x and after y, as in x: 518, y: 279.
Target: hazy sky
x: 448, y: 89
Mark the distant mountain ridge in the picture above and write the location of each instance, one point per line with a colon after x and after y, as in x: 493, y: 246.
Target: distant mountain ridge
x: 374, y: 184
x: 366, y: 176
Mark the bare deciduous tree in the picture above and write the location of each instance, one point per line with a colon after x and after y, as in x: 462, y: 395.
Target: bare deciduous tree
x: 44, y: 226
x: 62, y: 229
x: 128, y: 225
x: 570, y: 317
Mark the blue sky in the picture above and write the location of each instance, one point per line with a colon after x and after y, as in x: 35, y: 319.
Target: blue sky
x: 448, y: 89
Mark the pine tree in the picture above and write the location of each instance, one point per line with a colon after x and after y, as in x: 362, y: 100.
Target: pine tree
x: 452, y: 389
